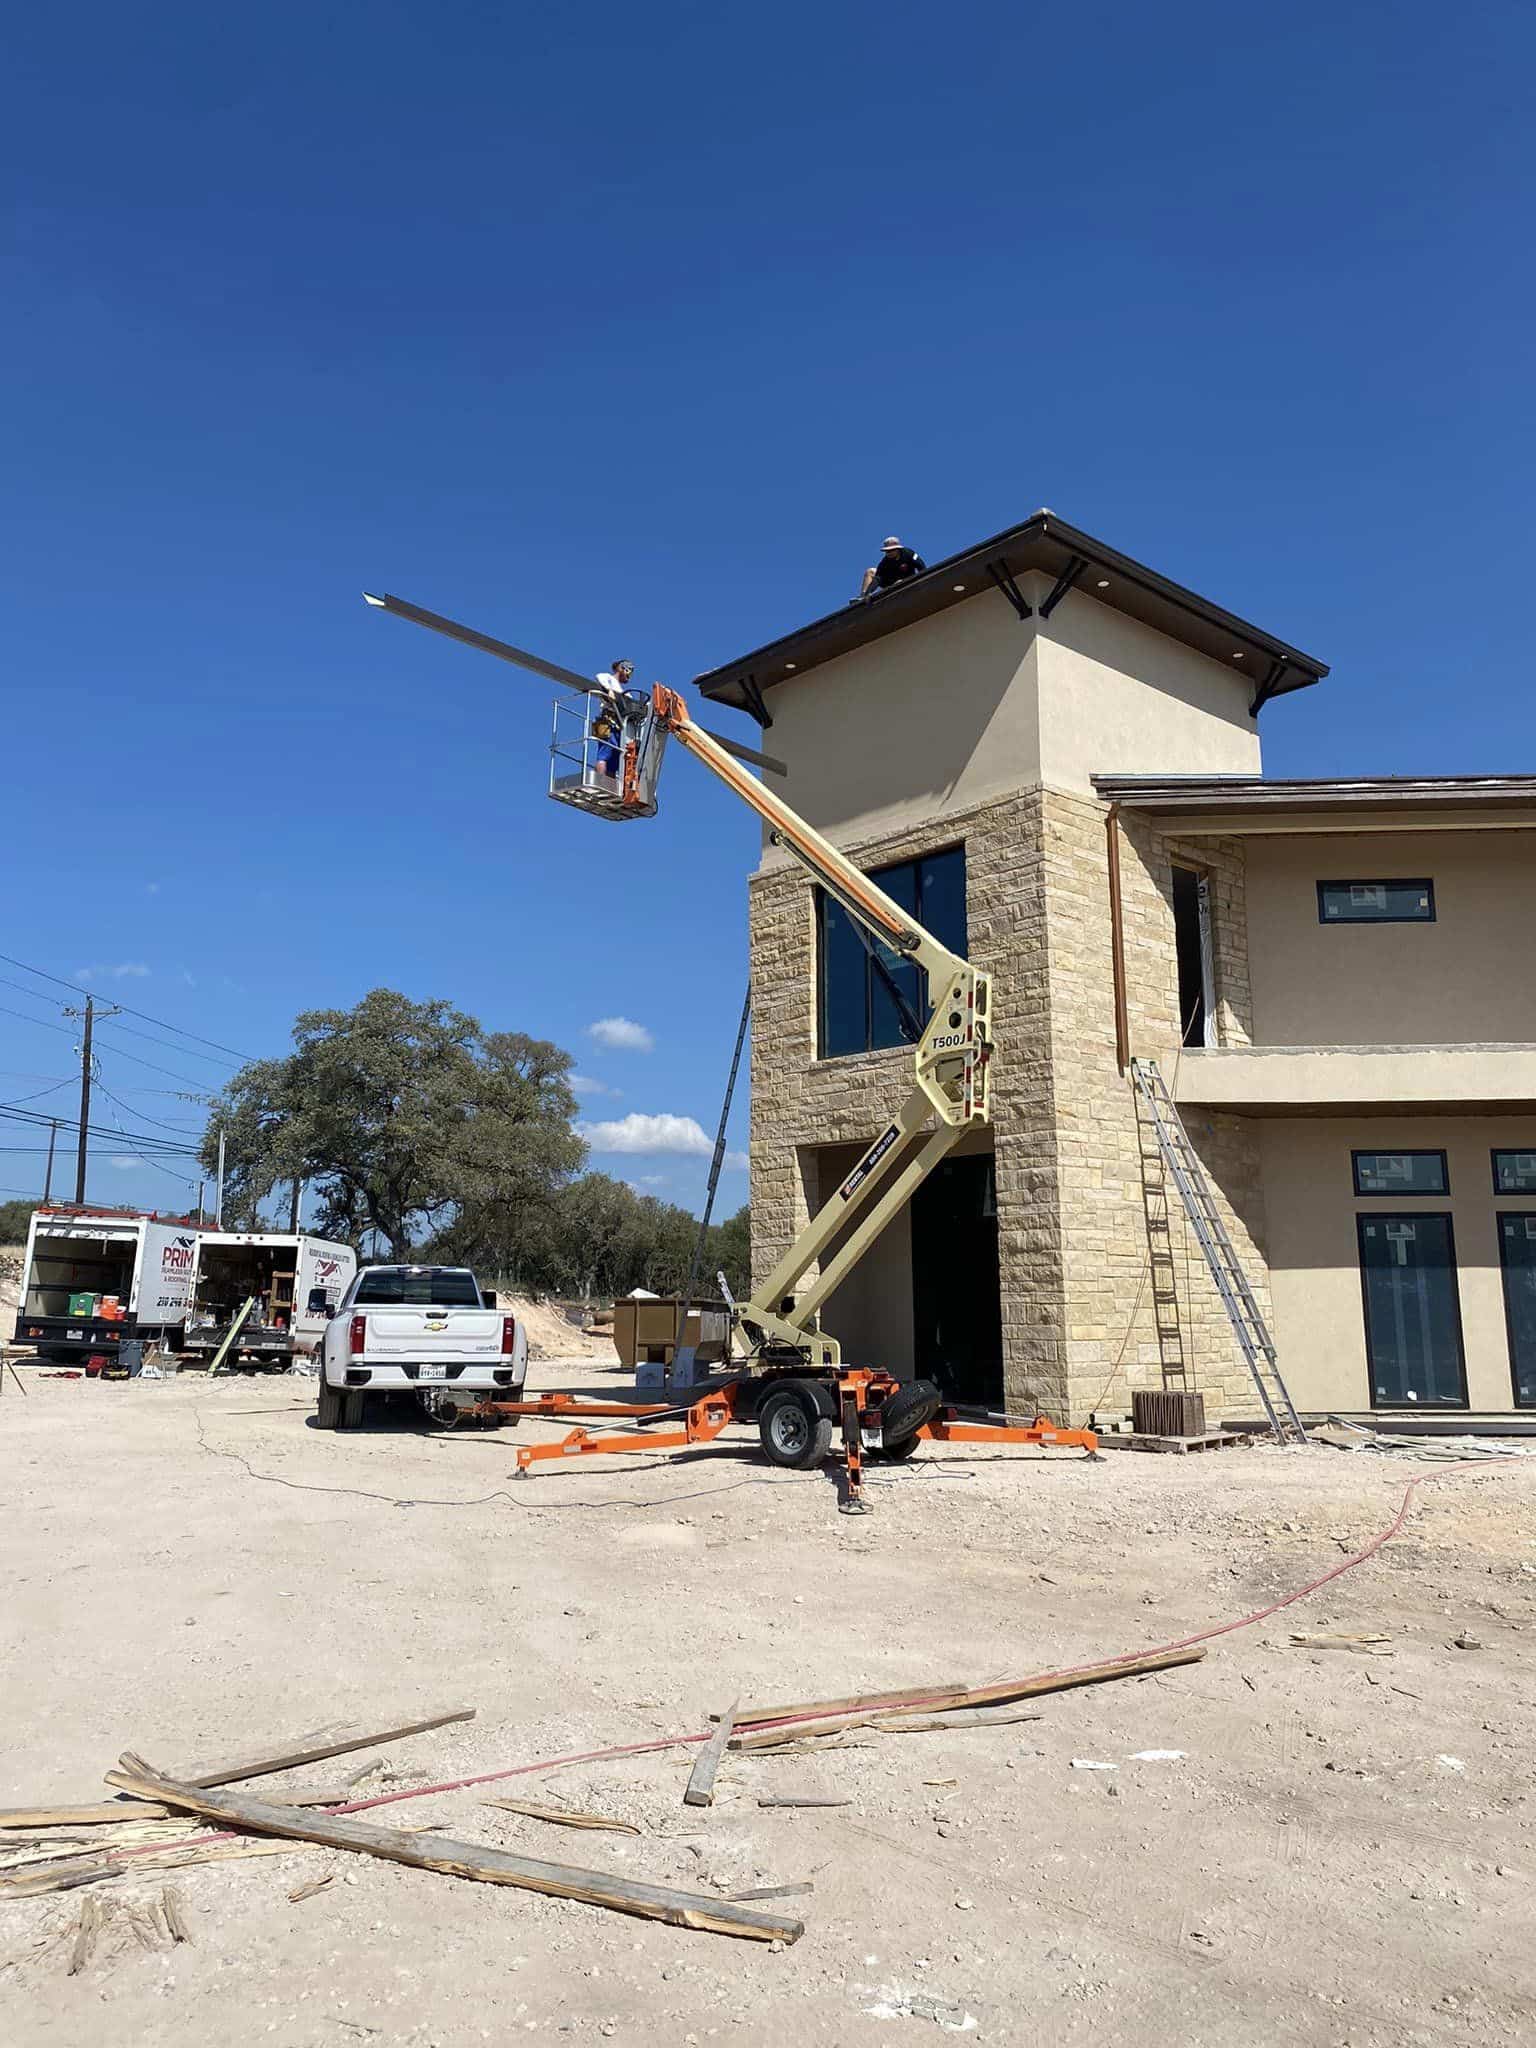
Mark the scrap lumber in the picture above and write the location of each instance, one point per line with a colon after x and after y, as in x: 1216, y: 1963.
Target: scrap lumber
x: 95, y: 1814
x: 859, y: 1702
x: 172, y: 1915
x: 979, y: 1696
x: 72, y: 1871
x: 701, y: 1779
x: 307, y: 1891
x: 775, y: 1891
x: 302, y: 1749
x: 563, y: 1816
x: 802, y: 1799
x: 468, y: 1859
x: 85, y: 1935
x: 922, y: 1724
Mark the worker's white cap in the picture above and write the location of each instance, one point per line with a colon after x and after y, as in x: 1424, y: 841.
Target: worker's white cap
x: 890, y: 541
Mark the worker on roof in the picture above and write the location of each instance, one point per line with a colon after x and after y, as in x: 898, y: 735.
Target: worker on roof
x: 897, y: 564
x: 608, y: 717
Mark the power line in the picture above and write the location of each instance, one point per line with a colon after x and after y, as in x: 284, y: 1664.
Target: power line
x: 153, y: 1065
x: 165, y: 1025
x: 41, y: 1022
x: 37, y: 1121
x: 180, y: 1130
x: 41, y: 1092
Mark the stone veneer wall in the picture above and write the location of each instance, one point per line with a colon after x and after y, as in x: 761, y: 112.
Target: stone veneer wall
x: 1077, y: 1315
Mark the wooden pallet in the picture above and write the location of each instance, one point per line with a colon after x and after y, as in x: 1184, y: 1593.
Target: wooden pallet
x: 1208, y: 1440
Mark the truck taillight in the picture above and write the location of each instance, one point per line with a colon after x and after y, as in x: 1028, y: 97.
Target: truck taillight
x: 359, y: 1335
x: 508, y: 1334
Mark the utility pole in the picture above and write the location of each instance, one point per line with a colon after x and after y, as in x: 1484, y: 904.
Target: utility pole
x: 218, y: 1192
x: 53, y: 1133
x: 89, y: 1016
x: 293, y: 1207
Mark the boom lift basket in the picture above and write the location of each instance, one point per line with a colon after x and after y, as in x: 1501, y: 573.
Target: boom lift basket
x: 605, y: 759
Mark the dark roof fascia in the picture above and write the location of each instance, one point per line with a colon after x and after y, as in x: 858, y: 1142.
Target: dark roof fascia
x: 1045, y: 543
x: 1250, y: 795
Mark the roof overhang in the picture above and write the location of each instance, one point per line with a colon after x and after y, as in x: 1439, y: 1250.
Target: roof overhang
x: 1044, y: 544
x: 1234, y: 805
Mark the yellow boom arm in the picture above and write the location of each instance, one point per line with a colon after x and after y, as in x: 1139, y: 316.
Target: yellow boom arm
x: 950, y: 1081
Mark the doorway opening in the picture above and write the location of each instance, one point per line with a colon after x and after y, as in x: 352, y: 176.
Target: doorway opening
x: 956, y: 1284
x: 1192, y: 947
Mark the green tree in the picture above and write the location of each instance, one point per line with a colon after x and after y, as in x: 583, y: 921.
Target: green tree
x: 404, y: 1116
x: 15, y: 1220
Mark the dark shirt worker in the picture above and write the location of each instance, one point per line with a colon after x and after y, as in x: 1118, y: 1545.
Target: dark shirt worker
x: 896, y: 565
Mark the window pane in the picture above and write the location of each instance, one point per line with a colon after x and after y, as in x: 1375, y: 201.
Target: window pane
x: 900, y: 884
x: 1376, y: 902
x: 1517, y: 1251
x: 941, y: 885
x: 1400, y: 1173
x: 1412, y: 1318
x: 844, y: 992
x: 1514, y: 1173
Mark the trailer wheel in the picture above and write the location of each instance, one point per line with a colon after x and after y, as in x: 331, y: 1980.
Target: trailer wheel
x: 897, y: 1453
x: 903, y: 1412
x: 792, y: 1428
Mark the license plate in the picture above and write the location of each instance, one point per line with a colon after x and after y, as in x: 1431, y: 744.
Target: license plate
x: 434, y: 1372
x: 74, y: 1333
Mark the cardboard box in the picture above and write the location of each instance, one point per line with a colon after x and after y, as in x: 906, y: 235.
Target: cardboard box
x: 645, y: 1330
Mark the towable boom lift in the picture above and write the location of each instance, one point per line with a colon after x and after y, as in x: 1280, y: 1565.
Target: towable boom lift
x: 784, y: 1370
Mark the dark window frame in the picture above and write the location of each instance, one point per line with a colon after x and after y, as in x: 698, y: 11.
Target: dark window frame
x: 1509, y: 1152
x: 1402, y: 1152
x: 1520, y: 1216
x: 1424, y: 882
x: 1364, y: 1216
x: 824, y: 902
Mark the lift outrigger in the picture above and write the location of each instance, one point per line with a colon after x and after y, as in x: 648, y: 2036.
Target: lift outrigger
x: 784, y: 1372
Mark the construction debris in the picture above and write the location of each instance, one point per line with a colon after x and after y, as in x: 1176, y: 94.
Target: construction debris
x: 85, y: 1935
x: 304, y: 1749
x: 802, y: 1799
x: 1361, y: 1645
x: 307, y: 1891
x: 560, y: 1816
x: 466, y: 1859
x: 171, y: 1913
x: 701, y: 1779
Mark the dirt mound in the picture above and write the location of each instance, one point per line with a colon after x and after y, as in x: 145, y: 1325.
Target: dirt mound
x: 11, y: 1256
x: 551, y: 1333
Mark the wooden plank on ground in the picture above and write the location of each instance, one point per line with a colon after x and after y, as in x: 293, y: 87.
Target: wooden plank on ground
x: 563, y: 1816
x: 978, y: 1696
x: 304, y: 1749
x: 96, y: 1813
x: 701, y: 1779
x: 468, y: 1859
x: 859, y: 1702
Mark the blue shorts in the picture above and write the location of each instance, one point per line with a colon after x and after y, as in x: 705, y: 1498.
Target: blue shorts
x: 608, y: 759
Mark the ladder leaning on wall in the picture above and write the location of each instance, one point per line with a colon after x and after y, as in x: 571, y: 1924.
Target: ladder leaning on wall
x: 1237, y: 1297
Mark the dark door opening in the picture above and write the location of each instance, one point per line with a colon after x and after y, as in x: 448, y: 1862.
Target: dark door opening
x: 1192, y: 947
x: 956, y: 1290
x: 1412, y: 1311
x: 1517, y: 1255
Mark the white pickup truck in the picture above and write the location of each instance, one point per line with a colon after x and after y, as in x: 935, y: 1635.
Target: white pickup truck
x: 427, y: 1330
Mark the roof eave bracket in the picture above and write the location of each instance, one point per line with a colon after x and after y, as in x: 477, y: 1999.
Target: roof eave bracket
x: 1002, y: 576
x: 754, y: 697
x: 1063, y: 584
x: 1269, y: 687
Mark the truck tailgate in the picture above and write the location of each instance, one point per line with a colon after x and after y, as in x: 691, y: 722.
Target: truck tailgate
x: 456, y: 1336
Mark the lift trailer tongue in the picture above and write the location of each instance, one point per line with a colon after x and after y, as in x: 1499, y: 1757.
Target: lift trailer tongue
x: 788, y: 1375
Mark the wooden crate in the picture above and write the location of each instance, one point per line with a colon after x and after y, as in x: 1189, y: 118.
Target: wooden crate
x: 1163, y: 1413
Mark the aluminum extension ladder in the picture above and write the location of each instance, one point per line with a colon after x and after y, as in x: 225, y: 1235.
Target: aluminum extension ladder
x: 1237, y: 1297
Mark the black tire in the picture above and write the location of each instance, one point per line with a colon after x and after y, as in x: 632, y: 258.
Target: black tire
x: 329, y: 1402
x: 897, y: 1453
x: 793, y: 1430
x: 351, y: 1411
x: 905, y: 1411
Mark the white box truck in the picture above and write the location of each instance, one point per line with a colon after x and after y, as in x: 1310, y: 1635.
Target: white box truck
x: 296, y: 1281
x: 94, y: 1276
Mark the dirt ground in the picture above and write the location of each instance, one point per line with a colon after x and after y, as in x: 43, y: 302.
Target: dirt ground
x: 1341, y: 1851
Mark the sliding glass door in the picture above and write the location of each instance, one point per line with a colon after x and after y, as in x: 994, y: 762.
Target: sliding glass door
x: 1412, y: 1313
x: 1517, y: 1255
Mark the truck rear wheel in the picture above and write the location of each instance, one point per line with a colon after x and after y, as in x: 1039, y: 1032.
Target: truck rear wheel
x: 337, y: 1407
x: 792, y: 1428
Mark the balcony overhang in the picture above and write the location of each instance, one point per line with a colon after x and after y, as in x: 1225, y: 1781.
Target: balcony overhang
x: 1356, y: 1080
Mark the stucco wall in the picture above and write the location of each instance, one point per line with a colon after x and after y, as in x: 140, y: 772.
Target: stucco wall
x: 1469, y: 975
x: 1315, y: 1273
x: 1118, y: 697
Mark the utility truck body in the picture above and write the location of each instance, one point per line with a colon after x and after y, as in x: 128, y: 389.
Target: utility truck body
x: 295, y: 1281
x: 428, y: 1330
x: 92, y: 1277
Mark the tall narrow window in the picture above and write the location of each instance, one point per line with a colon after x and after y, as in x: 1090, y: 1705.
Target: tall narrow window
x: 872, y: 996
x: 1192, y: 947
x: 1412, y: 1312
x: 1517, y: 1255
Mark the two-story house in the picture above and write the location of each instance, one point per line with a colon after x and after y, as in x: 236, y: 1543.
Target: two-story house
x: 1051, y: 754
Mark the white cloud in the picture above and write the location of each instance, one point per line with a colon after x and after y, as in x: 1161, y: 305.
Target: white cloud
x: 151, y: 888
x: 125, y: 1160
x: 134, y: 970
x: 637, y: 1133
x: 651, y: 1180
x: 588, y: 1084
x: 621, y: 1034
x: 737, y: 1162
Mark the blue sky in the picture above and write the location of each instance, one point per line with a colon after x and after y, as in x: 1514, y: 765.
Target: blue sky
x: 624, y: 330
